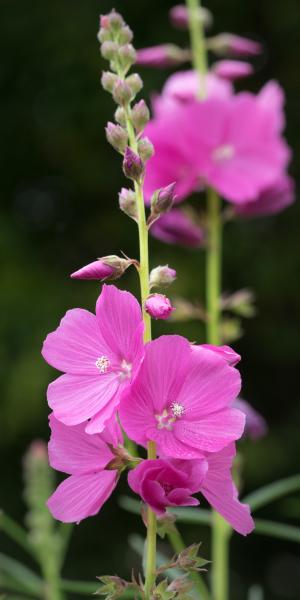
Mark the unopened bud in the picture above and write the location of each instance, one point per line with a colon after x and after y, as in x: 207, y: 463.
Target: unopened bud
x: 120, y: 116
x: 164, y: 55
x: 127, y: 203
x: 104, y: 35
x: 179, y: 16
x: 116, y: 136
x: 109, y: 267
x: 135, y: 83
x: 125, y: 35
x: 226, y: 44
x: 161, y: 202
x: 122, y: 92
x: 140, y: 115
x: 133, y: 166
x: 109, y: 50
x: 104, y: 22
x: 116, y: 21
x: 108, y: 81
x: 126, y: 56
x: 145, y: 148
x: 161, y: 276
x: 158, y: 306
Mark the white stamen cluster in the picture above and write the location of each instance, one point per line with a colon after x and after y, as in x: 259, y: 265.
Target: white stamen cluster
x: 177, y: 409
x: 224, y: 152
x: 102, y: 363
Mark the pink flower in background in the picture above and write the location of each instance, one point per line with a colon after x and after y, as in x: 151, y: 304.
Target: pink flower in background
x: 228, y: 354
x: 163, y: 55
x: 176, y: 227
x: 158, y: 306
x: 162, y: 482
x: 234, y: 45
x: 232, y: 69
x: 217, y: 146
x: 182, y: 400
x: 99, y: 355
x: 84, y: 457
x: 256, y: 426
x: 166, y: 483
x: 272, y: 200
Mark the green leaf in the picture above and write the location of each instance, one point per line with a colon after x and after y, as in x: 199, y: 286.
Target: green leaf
x: 272, y: 492
x: 16, y: 533
x: 21, y: 574
x: 277, y: 530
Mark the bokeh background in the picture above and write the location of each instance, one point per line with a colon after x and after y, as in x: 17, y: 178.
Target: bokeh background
x: 59, y: 210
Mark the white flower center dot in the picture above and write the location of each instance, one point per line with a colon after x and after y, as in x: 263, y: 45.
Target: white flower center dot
x: 222, y: 153
x: 177, y: 409
x: 102, y: 363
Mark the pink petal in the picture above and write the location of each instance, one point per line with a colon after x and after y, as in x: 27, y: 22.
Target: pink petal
x: 73, y: 451
x: 119, y: 316
x: 76, y: 398
x: 76, y: 344
x: 213, y: 432
x: 81, y: 496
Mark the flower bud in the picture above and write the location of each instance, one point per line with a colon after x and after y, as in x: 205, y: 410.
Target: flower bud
x: 109, y: 267
x: 126, y: 56
x: 164, y: 55
x: 135, y: 83
x: 104, y: 35
x: 140, y: 115
x: 125, y: 35
x: 145, y: 148
x: 162, y: 275
x: 133, y: 166
x: 226, y: 44
x: 120, y: 116
x: 109, y: 50
x: 161, y: 202
x: 122, y: 92
x: 232, y: 69
x: 116, y: 21
x: 108, y: 81
x: 179, y: 16
x: 127, y: 203
x: 158, y: 306
x: 116, y: 136
x: 104, y: 22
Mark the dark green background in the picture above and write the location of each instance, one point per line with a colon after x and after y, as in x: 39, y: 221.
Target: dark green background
x: 59, y: 210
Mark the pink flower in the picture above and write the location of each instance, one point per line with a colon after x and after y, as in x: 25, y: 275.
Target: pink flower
x: 165, y: 483
x: 271, y: 200
x: 182, y: 400
x: 232, y: 69
x: 218, y: 146
x: 179, y: 16
x: 94, y: 270
x: 225, y: 352
x: 164, y: 55
x: 256, y: 426
x: 99, y: 355
x: 175, y: 227
x: 158, y: 306
x: 84, y: 457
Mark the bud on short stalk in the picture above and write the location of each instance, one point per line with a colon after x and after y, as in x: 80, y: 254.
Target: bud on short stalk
x: 145, y: 149
x: 158, y: 306
x: 162, y: 276
x: 116, y: 136
x: 109, y: 50
x: 122, y: 92
x: 108, y: 81
x: 127, y: 203
x: 106, y: 268
x: 120, y: 116
x: 133, y: 166
x: 126, y: 56
x: 228, y: 44
x: 140, y: 115
x: 125, y: 35
x: 161, y: 202
x: 135, y: 83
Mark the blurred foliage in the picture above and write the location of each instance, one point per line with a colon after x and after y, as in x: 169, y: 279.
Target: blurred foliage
x: 59, y: 189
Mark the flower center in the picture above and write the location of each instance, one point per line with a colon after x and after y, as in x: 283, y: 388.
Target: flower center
x: 126, y: 369
x: 102, y: 363
x: 223, y: 153
x: 166, y: 487
x: 166, y: 419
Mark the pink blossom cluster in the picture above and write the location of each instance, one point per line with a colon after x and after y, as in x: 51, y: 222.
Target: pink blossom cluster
x: 179, y: 395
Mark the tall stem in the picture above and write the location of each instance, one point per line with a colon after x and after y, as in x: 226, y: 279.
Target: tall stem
x: 145, y: 291
x: 220, y: 529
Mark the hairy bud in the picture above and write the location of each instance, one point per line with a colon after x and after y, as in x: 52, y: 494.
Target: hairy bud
x: 127, y: 203
x: 133, y: 166
x: 122, y: 92
x: 161, y: 202
x: 140, y: 115
x: 120, y: 116
x: 158, y: 306
x: 145, y: 148
x: 135, y: 83
x: 125, y: 35
x: 162, y: 276
x: 126, y: 56
x: 116, y: 136
x: 106, y: 268
x: 108, y: 81
x: 109, y: 50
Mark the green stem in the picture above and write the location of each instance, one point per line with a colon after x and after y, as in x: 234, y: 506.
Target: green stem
x: 220, y: 536
x: 273, y: 491
x: 198, y: 44
x: 178, y: 546
x: 150, y: 574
